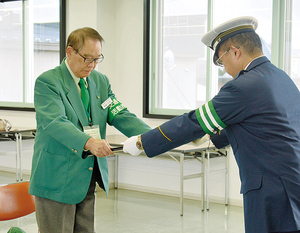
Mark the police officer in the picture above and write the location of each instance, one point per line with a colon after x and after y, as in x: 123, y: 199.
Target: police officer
x: 260, y: 112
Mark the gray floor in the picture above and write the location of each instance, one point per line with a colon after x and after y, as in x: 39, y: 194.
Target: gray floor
x: 136, y: 212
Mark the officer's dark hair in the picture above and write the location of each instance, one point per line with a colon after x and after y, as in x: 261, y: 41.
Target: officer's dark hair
x: 249, y: 41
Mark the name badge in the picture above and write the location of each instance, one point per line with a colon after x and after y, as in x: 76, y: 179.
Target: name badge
x: 106, y: 103
x: 92, y: 131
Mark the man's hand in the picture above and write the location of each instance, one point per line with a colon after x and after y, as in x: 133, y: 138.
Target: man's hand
x: 130, y: 146
x: 99, y: 148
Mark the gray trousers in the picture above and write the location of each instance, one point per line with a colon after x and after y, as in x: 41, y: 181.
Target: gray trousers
x: 56, y: 217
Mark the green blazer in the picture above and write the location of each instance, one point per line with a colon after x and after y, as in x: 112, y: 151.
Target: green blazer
x: 59, y: 171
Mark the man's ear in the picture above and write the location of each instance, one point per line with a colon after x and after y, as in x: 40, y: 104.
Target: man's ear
x: 69, y: 51
x: 237, y: 51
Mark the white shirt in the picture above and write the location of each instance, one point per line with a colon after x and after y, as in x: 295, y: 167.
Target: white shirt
x: 76, y: 79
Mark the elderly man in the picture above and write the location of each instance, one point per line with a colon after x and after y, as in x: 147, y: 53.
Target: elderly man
x: 73, y: 105
x: 260, y: 112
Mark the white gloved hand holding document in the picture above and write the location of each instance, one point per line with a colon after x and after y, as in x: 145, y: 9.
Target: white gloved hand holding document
x: 130, y: 146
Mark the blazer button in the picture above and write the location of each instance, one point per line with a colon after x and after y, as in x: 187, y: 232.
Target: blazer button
x: 74, y: 150
x: 90, y: 168
x: 98, y: 97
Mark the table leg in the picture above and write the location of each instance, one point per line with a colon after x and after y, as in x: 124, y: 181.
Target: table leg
x: 116, y: 170
x: 202, y: 178
x: 17, y: 156
x: 181, y: 183
x: 226, y: 179
x: 20, y: 156
x: 207, y: 180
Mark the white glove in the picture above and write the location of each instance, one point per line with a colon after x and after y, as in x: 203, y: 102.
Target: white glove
x: 200, y: 141
x: 130, y: 146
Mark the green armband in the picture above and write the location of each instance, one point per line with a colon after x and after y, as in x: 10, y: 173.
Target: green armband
x: 208, y: 118
x: 114, y: 109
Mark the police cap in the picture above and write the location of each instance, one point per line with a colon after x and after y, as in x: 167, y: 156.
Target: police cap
x: 215, y: 37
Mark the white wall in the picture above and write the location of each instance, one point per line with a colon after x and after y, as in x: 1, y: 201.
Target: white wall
x: 120, y: 22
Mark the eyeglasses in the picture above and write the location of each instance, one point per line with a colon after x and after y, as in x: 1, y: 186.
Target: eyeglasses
x: 218, y: 61
x: 90, y: 60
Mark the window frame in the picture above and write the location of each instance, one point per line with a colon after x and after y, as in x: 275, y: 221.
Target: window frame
x: 62, y: 46
x: 146, y: 66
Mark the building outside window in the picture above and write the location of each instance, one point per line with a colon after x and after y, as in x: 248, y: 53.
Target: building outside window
x: 30, y: 44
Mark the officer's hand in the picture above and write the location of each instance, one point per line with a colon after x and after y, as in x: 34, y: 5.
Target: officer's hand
x: 130, y: 146
x: 99, y: 148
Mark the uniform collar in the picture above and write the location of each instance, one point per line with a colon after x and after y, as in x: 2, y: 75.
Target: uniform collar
x: 255, y: 62
x: 252, y: 61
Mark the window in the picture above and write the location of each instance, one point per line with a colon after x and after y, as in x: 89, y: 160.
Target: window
x: 292, y: 65
x: 177, y: 58
x: 31, y: 34
x: 179, y: 72
x: 261, y: 10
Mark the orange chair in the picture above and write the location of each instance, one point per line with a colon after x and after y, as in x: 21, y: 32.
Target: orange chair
x: 15, y: 201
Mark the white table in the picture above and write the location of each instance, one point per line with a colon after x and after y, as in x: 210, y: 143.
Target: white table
x: 202, y: 154
x: 18, y: 136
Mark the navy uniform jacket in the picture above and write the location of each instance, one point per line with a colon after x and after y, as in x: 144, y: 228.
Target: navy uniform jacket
x: 219, y: 139
x: 260, y: 111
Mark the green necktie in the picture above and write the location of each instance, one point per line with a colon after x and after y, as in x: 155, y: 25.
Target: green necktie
x: 84, y: 96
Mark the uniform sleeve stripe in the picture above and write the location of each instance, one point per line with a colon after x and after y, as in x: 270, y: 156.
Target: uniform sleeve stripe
x: 208, y: 118
x: 163, y: 133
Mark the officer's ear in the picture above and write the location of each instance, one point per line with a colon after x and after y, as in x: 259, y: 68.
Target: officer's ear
x: 237, y: 51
